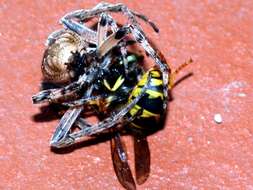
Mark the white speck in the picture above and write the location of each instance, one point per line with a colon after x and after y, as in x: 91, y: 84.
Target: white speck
x: 241, y: 95
x: 184, y: 170
x: 218, y: 118
x: 208, y: 142
x: 190, y: 139
x: 97, y: 160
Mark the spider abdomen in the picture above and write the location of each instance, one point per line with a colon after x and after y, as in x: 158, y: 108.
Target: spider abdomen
x: 148, y: 110
x: 61, y: 57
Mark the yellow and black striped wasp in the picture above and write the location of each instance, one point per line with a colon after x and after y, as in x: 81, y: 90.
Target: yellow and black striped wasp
x: 111, y: 94
x: 140, y: 117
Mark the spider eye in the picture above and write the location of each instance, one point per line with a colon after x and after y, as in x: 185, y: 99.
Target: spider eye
x: 91, y: 45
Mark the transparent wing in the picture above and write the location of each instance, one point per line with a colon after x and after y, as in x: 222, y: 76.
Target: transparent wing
x: 121, y: 167
x: 142, y: 159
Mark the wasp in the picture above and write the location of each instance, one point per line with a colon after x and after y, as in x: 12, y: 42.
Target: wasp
x: 82, y: 63
x: 140, y: 117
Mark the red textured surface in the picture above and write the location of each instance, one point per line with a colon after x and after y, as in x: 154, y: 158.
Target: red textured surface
x: 192, y: 152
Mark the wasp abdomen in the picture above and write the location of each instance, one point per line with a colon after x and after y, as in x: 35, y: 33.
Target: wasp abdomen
x: 150, y: 106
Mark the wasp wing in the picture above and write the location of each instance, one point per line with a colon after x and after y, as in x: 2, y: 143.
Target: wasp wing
x: 142, y: 159
x: 121, y: 167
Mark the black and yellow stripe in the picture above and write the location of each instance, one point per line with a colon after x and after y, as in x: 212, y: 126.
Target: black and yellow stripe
x: 150, y: 106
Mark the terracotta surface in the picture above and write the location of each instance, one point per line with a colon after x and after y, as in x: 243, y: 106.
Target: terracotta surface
x: 192, y: 152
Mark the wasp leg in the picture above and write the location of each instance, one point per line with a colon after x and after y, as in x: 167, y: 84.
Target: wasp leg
x: 83, y: 15
x: 121, y: 167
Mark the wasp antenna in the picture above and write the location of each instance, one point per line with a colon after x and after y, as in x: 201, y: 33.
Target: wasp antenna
x: 173, y: 75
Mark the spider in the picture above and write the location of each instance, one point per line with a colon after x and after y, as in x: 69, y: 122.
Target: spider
x: 97, y: 59
x: 76, y: 61
x: 103, y: 44
x: 141, y: 118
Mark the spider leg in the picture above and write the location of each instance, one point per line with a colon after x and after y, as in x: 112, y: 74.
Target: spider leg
x: 83, y: 15
x: 140, y: 37
x: 86, y: 33
x: 104, y: 44
x: 115, y: 118
x: 92, y: 100
x: 109, y: 122
x: 53, y: 95
x: 123, y: 51
x: 82, y: 123
x: 53, y: 36
x: 135, y: 29
x: 107, y: 19
x: 112, y: 40
x: 156, y: 55
x: 66, y: 122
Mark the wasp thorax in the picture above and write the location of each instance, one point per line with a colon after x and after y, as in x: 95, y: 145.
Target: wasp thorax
x: 61, y: 57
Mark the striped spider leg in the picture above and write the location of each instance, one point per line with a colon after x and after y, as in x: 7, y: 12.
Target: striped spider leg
x: 85, y: 14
